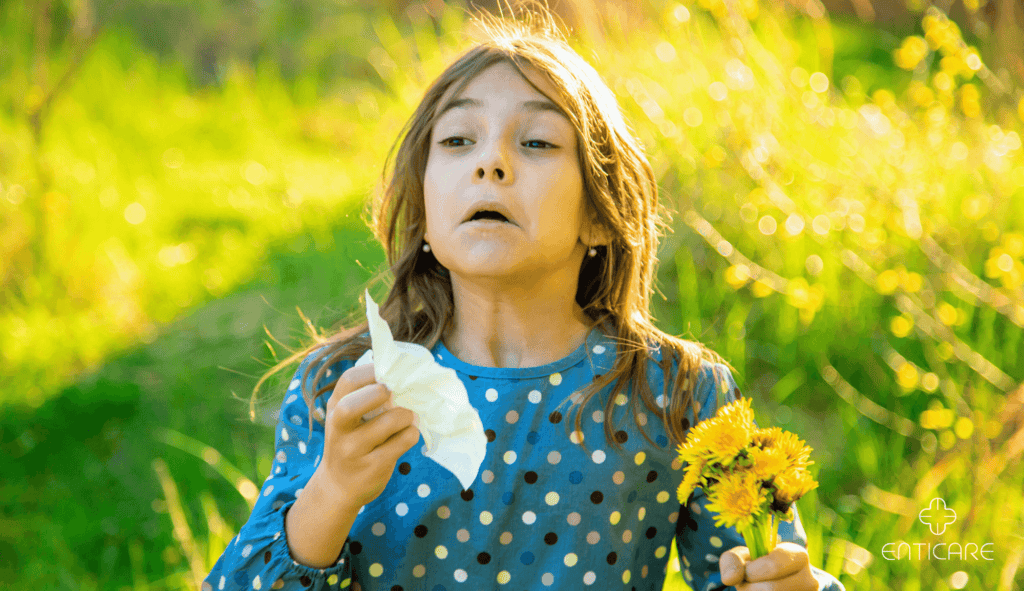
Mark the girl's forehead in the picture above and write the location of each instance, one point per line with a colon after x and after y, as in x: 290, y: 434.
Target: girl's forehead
x: 463, y: 91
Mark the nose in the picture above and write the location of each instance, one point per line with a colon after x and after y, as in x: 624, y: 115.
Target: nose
x: 495, y: 163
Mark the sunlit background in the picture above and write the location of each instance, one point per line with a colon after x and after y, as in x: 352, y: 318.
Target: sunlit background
x: 181, y: 188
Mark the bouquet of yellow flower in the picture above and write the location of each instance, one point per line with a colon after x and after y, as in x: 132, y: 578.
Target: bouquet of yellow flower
x: 751, y: 476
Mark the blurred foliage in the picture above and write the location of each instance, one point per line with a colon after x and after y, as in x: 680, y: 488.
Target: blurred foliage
x: 850, y: 235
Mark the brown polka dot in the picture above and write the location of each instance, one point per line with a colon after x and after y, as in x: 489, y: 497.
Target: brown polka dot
x: 686, y: 424
x: 472, y: 377
x: 356, y: 547
x: 596, y: 497
x: 651, y: 532
x: 483, y: 558
x: 621, y: 436
x: 555, y: 417
x: 652, y: 476
x: 530, y: 477
x: 612, y: 557
x: 490, y: 434
x: 467, y: 495
x: 292, y: 479
x: 305, y: 580
x: 404, y: 467
x: 396, y: 588
x: 266, y: 557
x: 550, y: 538
x: 420, y: 531
x: 736, y: 392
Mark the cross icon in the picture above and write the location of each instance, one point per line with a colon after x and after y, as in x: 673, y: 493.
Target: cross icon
x: 937, y: 516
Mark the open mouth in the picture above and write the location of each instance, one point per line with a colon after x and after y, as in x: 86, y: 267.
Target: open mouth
x: 488, y: 215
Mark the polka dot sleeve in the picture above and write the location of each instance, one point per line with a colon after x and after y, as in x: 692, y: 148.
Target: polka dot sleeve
x: 258, y: 557
x: 699, y: 542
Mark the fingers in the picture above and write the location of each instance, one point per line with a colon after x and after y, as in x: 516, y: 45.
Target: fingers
x: 732, y: 564
x: 786, y: 559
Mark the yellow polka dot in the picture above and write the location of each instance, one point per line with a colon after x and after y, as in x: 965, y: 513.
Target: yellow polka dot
x: 660, y: 552
x: 621, y: 400
x: 640, y: 457
x: 570, y: 559
x: 663, y: 496
x: 555, y: 379
x: 625, y: 576
x: 643, y: 572
x: 256, y: 584
x: 441, y: 552
x: 504, y: 577
x: 551, y: 498
x: 332, y: 579
x: 486, y: 518
x: 346, y: 583
x: 614, y: 518
x: 419, y: 570
x: 376, y: 569
x: 715, y: 541
x: 641, y: 513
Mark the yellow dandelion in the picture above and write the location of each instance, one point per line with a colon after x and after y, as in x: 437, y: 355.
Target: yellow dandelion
x: 737, y: 500
x: 737, y: 412
x: 794, y: 449
x: 690, y: 481
x: 768, y: 462
x: 725, y: 441
x: 768, y: 437
x: 792, y: 484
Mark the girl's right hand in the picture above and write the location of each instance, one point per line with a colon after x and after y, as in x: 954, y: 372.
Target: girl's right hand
x: 360, y: 456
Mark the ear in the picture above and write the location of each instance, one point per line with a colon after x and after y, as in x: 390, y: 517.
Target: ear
x: 594, y: 233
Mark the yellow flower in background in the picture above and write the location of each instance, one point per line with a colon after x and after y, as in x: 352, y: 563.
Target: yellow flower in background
x: 793, y: 484
x: 737, y: 499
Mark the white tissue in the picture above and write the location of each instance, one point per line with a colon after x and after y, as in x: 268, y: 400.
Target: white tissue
x: 451, y: 427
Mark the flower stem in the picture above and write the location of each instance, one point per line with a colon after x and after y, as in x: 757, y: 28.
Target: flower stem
x: 761, y: 535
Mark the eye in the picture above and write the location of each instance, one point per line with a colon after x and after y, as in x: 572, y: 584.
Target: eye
x: 445, y: 143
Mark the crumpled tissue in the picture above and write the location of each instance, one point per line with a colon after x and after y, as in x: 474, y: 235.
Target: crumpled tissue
x: 451, y: 427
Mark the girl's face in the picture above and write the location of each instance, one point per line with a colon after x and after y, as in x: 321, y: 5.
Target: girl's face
x: 509, y: 145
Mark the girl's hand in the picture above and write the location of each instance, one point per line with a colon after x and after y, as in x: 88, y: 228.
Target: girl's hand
x: 786, y: 568
x: 359, y: 455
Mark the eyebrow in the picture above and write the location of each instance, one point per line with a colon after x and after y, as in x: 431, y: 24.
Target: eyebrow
x: 536, y: 106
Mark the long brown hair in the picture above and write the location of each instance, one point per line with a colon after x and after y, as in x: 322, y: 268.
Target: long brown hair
x: 620, y: 189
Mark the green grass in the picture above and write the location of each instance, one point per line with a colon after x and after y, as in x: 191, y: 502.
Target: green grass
x: 132, y: 347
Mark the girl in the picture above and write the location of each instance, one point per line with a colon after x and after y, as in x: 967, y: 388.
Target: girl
x: 521, y: 226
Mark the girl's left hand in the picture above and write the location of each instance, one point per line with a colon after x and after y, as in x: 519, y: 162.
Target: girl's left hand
x: 786, y: 568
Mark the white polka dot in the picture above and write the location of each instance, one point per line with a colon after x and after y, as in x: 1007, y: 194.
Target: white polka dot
x: 555, y: 379
x: 268, y: 490
x: 487, y: 476
x: 510, y: 457
x: 576, y: 397
x: 599, y: 349
x: 460, y: 575
x: 222, y: 581
x: 281, y: 456
x: 296, y: 420
x: 292, y: 399
x: 284, y: 434
x: 660, y: 400
x: 534, y: 396
x: 711, y: 558
x: 361, y: 509
x: 299, y: 492
x: 295, y: 384
x: 529, y: 517
x: 598, y: 457
x: 247, y: 551
x: 423, y: 490
x: 402, y: 509
x: 329, y: 373
x: 547, y: 579
x: 491, y: 394
x: 598, y: 416
x: 554, y: 457
x: 257, y: 584
x: 589, y: 578
x: 302, y: 446
x: 715, y: 541
x: 378, y: 529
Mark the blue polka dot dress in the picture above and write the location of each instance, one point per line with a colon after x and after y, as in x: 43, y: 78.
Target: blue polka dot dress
x: 542, y: 513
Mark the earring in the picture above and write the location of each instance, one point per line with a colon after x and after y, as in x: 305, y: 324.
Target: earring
x: 592, y: 252
x: 426, y: 247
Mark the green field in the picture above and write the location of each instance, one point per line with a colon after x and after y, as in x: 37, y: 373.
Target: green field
x: 848, y: 233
